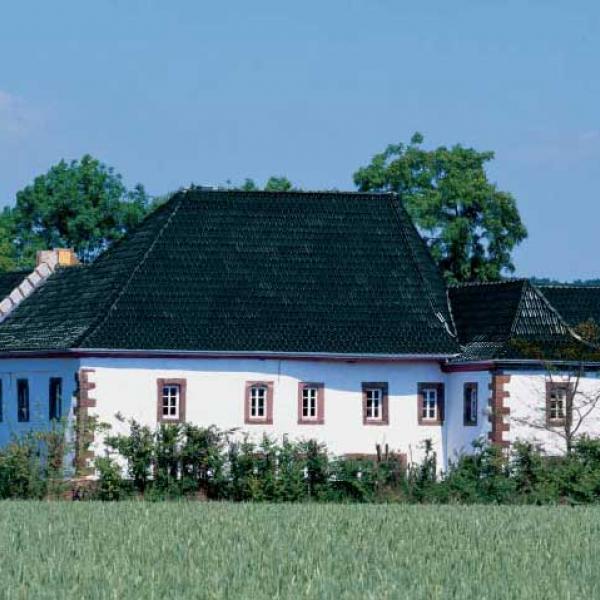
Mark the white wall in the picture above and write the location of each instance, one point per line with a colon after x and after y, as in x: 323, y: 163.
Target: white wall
x: 461, y: 437
x: 38, y: 372
x: 215, y: 395
x: 527, y: 403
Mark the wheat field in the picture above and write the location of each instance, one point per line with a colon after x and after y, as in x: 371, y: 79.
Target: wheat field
x: 212, y: 550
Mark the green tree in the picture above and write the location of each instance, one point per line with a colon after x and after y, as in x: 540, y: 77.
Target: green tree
x: 273, y: 184
x: 278, y: 184
x: 8, y: 258
x: 470, y: 226
x: 82, y: 204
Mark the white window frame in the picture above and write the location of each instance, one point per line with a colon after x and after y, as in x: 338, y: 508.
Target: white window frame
x: 257, y: 393
x: 558, y: 404
x: 429, y: 401
x: 170, y: 392
x: 310, y: 403
x: 374, y: 397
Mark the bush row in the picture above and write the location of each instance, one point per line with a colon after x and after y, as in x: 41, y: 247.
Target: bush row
x: 186, y: 461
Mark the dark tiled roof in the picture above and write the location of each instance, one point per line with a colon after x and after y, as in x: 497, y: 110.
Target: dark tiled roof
x: 239, y: 271
x: 576, y: 304
x: 508, y: 319
x: 9, y: 280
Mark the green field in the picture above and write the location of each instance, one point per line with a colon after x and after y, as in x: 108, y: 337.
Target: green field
x: 199, y: 550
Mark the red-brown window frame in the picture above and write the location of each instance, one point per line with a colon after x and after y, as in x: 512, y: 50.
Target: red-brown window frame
x: 562, y: 385
x: 470, y: 385
x: 385, y: 413
x: 440, y: 402
x: 160, y: 384
x: 249, y: 420
x: 320, y: 387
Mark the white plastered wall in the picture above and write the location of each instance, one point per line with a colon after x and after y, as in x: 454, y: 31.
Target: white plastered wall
x: 527, y: 403
x: 461, y: 437
x: 215, y: 396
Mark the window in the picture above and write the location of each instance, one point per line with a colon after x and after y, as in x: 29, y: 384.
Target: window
x: 311, y: 403
x: 22, y: 400
x: 375, y: 403
x: 430, y: 403
x: 558, y: 402
x: 470, y: 404
x: 55, y: 398
x: 259, y: 402
x: 171, y: 400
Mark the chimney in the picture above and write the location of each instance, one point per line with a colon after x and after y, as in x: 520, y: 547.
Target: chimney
x: 58, y: 257
x: 47, y: 262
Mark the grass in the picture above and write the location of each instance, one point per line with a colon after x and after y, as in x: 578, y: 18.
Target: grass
x: 197, y: 550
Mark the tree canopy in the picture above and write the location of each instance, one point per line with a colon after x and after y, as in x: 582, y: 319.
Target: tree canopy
x: 273, y: 184
x: 81, y: 204
x: 469, y: 224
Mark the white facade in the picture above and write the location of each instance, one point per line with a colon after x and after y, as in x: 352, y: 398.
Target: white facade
x: 527, y: 404
x: 215, y: 395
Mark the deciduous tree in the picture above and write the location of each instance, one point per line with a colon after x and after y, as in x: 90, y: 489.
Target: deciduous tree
x: 82, y: 204
x: 469, y: 224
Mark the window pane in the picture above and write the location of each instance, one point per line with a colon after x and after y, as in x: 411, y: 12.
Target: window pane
x: 55, y: 398
x: 429, y: 410
x: 257, y: 402
x: 22, y: 400
x: 373, y: 401
x: 309, y: 403
x: 170, y: 401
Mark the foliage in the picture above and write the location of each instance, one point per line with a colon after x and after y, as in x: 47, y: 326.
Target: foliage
x: 187, y: 461
x: 273, y: 184
x: 32, y: 465
x: 82, y: 204
x: 469, y: 224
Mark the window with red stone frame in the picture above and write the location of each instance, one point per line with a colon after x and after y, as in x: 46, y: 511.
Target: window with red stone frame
x: 559, y: 403
x: 430, y: 403
x: 311, y: 403
x: 258, y: 403
x: 171, y: 400
x: 375, y: 403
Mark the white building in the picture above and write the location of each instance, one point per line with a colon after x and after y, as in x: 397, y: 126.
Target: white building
x: 316, y: 315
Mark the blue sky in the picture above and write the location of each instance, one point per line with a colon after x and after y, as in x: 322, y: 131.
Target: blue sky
x: 174, y: 92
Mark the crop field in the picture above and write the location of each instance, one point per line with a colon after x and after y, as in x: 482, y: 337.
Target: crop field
x: 211, y: 550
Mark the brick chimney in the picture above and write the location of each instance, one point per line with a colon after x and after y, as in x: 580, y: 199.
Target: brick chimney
x: 47, y: 262
x: 58, y: 257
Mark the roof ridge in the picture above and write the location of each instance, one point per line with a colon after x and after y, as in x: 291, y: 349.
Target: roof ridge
x: 450, y: 327
x: 569, y: 286
x: 518, y: 309
x: 304, y: 192
x: 119, y: 293
x: 464, y: 284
